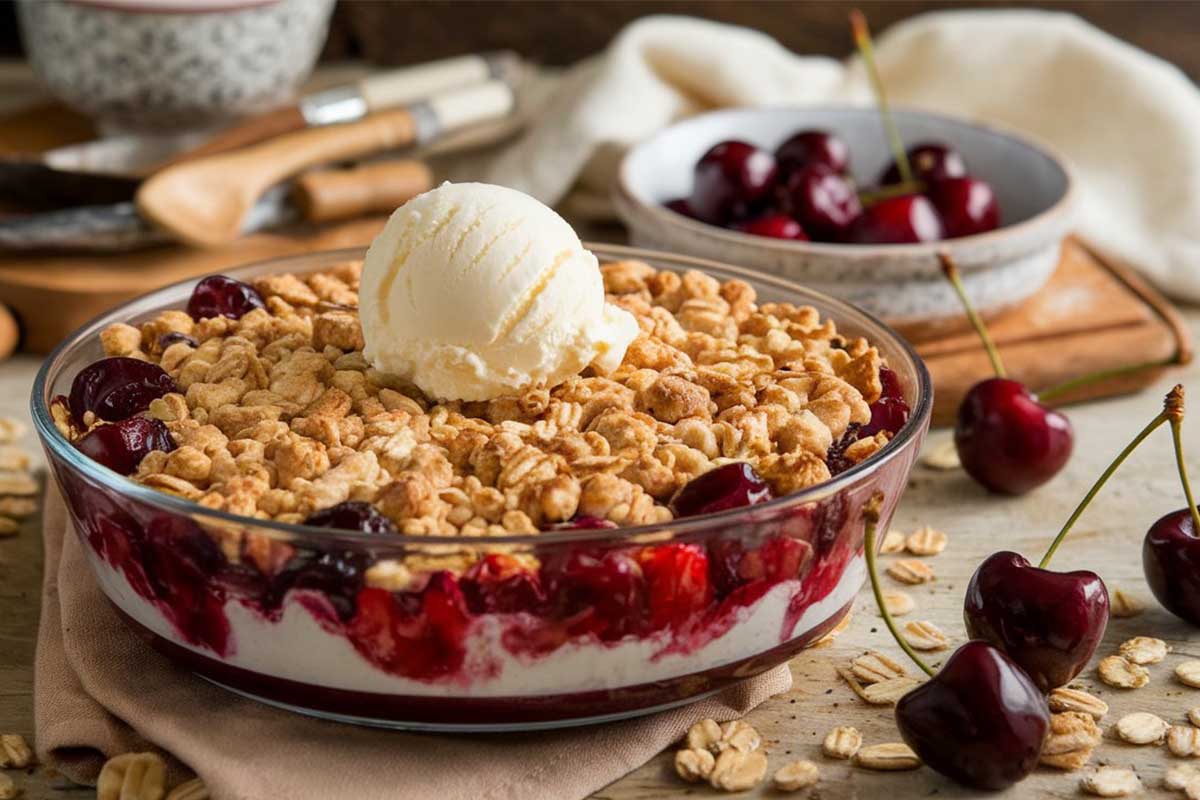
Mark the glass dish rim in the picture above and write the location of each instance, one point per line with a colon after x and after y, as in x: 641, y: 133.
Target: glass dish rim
x: 62, y: 449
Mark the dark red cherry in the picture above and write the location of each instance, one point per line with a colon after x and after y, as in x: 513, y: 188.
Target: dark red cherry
x: 336, y: 574
x: 221, y: 296
x: 583, y: 523
x: 604, y: 590
x: 352, y: 515
x: 929, y: 161
x: 677, y: 584
x: 117, y: 388
x: 775, y: 226
x: 813, y: 147
x: 680, y: 205
x: 501, y: 584
x: 729, y: 180
x: 835, y: 457
x: 1171, y: 561
x: 980, y: 720
x: 906, y: 219
x: 122, y: 445
x: 1050, y: 623
x: 417, y: 635
x: 1008, y: 441
x: 728, y: 486
x: 890, y: 412
x: 823, y: 201
x: 966, y: 205
x: 175, y: 337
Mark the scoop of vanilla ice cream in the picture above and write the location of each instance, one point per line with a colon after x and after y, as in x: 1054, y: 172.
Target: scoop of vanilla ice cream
x: 473, y: 291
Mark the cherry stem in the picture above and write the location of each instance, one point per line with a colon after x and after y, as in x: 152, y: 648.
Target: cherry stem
x: 1175, y: 411
x: 1178, y: 358
x: 1175, y: 397
x: 950, y: 270
x: 892, y: 190
x: 862, y: 40
x: 871, y: 517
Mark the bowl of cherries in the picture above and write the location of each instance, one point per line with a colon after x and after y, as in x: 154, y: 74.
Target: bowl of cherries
x: 816, y: 195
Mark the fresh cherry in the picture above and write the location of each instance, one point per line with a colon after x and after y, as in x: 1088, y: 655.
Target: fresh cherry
x: 775, y: 226
x: 813, y: 147
x: 729, y: 486
x: 1171, y: 550
x: 122, y: 445
x: 353, y: 515
x: 823, y: 201
x: 980, y: 720
x: 680, y: 205
x: 930, y: 161
x: 967, y: 205
x: 221, y: 296
x: 1048, y: 622
x: 117, y: 388
x: 907, y: 219
x: 729, y: 180
x: 1007, y: 440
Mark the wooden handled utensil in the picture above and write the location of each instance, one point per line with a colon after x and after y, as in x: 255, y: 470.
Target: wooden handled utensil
x: 205, y: 202
x: 332, y: 194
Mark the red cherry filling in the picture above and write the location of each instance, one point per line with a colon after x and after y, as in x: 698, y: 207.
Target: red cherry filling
x: 501, y: 584
x: 221, y: 296
x: 599, y: 592
x: 352, y: 515
x: 930, y: 161
x: 906, y: 219
x: 117, y: 388
x: 729, y: 179
x: 677, y: 584
x: 728, y: 486
x: 890, y: 412
x: 813, y: 147
x: 122, y: 445
x: 775, y: 226
x: 175, y: 337
x: 823, y: 201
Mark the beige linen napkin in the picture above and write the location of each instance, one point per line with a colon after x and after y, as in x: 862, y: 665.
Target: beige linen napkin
x: 100, y: 691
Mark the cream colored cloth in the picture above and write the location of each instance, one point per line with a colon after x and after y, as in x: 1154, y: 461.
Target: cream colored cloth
x: 99, y: 691
x: 1128, y: 122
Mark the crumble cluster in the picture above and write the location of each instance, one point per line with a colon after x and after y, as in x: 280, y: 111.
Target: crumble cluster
x: 280, y: 415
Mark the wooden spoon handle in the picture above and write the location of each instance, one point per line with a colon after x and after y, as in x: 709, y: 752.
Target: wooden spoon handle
x: 330, y: 194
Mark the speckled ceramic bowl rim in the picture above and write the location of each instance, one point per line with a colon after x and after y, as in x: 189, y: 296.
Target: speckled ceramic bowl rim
x: 1046, y: 218
x: 62, y: 449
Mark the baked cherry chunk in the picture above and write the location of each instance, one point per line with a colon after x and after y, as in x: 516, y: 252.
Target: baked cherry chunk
x: 353, y: 515
x: 729, y: 486
x: 501, y: 584
x: 117, y: 388
x: 122, y: 445
x: 221, y: 296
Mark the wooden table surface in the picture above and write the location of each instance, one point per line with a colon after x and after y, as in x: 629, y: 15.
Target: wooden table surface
x: 1108, y: 540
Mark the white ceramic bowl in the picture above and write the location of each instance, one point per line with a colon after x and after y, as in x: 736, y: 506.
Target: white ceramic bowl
x: 160, y: 65
x: 901, y: 283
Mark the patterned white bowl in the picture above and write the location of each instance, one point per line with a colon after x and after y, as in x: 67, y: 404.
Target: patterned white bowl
x: 172, y: 64
x: 902, y: 283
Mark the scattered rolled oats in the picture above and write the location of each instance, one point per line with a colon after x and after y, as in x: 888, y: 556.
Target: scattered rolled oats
x: 886, y: 693
x: 740, y: 736
x: 1068, y: 762
x: 1142, y: 728
x: 796, y: 775
x: 842, y: 742
x: 1144, y: 650
x: 1184, y: 741
x: 132, y: 776
x: 704, y: 735
x: 14, y: 752
x: 694, y: 765
x: 1193, y: 716
x: 735, y: 771
x: 13, y: 459
x: 898, y: 603
x: 873, y: 667
x: 191, y: 790
x: 924, y: 635
x: 943, y: 455
x: 926, y: 541
x: 11, y: 429
x: 1071, y: 731
x: 893, y: 542
x: 1123, y: 605
x: 18, y: 507
x: 1066, y: 699
x: 1179, y: 777
x: 8, y: 789
x: 1110, y: 782
x: 889, y: 757
x: 17, y: 483
x: 910, y: 571
x: 1121, y: 674
x: 9, y: 527
x: 1188, y: 673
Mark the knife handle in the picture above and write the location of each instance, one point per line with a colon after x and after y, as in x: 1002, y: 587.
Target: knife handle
x: 382, y: 186
x: 403, y: 86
